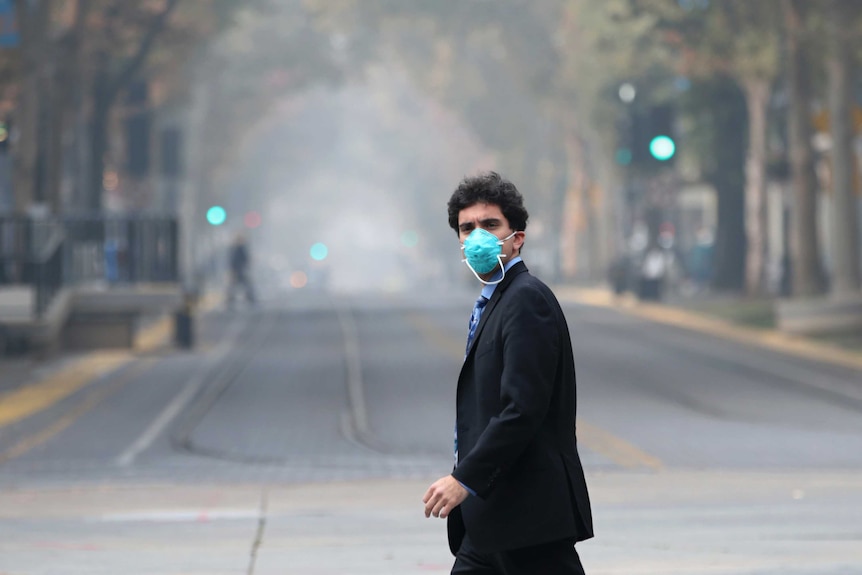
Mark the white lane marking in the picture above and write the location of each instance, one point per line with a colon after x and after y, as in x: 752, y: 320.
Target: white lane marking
x: 173, y: 409
x: 355, y: 391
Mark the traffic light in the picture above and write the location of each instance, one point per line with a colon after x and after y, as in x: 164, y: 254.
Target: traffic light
x: 319, y: 251
x: 216, y: 216
x: 624, y: 154
x: 662, y: 148
x: 252, y: 219
x: 652, y: 137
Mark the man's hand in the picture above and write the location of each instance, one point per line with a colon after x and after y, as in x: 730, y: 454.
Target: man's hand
x: 443, y: 496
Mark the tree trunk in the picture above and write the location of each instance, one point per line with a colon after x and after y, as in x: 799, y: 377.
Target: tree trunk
x: 845, y: 226
x: 76, y: 130
x: 730, y: 236
x: 727, y: 175
x: 593, y: 206
x: 56, y: 130
x: 757, y: 93
x: 555, y: 179
x: 33, y: 24
x: 98, y: 140
x: 806, y: 267
x: 44, y: 128
x: 106, y: 89
x: 573, y: 216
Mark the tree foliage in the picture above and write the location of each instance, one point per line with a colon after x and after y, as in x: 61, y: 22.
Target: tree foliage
x: 536, y: 82
x: 520, y: 73
x: 75, y: 60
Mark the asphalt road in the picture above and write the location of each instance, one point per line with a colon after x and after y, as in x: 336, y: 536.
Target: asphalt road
x: 299, y: 437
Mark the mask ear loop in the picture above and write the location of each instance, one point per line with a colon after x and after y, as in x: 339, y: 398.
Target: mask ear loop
x: 502, y: 267
x: 499, y: 260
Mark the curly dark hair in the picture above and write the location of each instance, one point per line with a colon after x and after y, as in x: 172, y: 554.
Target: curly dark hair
x: 491, y: 188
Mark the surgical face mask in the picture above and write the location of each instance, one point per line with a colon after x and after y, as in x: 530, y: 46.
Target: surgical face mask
x: 482, y: 253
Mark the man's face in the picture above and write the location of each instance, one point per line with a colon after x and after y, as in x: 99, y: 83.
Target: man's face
x: 489, y: 217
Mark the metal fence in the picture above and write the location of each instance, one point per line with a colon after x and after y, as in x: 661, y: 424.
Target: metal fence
x: 51, y: 253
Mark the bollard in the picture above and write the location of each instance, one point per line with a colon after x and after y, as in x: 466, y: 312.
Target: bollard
x: 184, y: 332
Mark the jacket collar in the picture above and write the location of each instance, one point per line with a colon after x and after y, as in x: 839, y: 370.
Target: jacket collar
x: 517, y: 269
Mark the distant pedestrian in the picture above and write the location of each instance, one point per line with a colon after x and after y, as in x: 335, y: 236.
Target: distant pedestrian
x: 517, y: 499
x: 652, y: 274
x: 618, y: 274
x: 239, y: 262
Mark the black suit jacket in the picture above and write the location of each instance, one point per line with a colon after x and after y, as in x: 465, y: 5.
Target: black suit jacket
x: 516, y: 407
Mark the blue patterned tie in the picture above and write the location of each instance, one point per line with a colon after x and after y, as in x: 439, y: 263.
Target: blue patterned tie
x: 474, y: 320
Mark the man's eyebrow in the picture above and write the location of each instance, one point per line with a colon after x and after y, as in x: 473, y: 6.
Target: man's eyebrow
x: 485, y: 222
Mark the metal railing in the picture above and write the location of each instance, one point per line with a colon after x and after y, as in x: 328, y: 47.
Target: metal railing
x: 30, y: 254
x: 51, y: 253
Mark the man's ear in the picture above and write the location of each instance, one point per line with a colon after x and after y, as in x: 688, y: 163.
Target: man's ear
x: 519, y: 238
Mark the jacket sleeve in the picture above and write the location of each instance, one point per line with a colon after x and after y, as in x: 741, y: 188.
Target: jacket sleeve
x: 530, y: 342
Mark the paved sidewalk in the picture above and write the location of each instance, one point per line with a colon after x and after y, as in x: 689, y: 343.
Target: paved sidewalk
x: 328, y: 528
x: 676, y: 522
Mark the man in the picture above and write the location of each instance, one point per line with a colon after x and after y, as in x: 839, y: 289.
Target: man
x: 517, y: 499
x: 239, y: 262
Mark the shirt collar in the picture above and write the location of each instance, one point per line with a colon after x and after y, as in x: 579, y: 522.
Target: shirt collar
x: 488, y: 290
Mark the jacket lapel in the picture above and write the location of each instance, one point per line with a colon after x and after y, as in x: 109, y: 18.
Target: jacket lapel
x: 516, y: 269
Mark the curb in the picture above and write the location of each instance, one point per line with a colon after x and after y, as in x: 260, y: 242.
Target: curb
x: 765, y: 338
x: 43, y: 392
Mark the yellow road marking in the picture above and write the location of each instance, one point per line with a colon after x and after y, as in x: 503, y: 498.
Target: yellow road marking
x: 590, y: 436
x: 154, y: 335
x: 435, y: 335
x: 33, y: 398
x: 614, y: 448
x: 24, y: 402
x: 30, y: 399
x: 60, y: 424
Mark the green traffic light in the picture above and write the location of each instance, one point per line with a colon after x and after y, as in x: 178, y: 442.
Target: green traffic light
x: 623, y: 156
x: 216, y: 215
x: 319, y: 251
x: 662, y: 148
